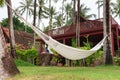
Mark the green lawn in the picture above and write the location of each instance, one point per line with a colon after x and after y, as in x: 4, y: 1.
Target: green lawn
x: 68, y: 73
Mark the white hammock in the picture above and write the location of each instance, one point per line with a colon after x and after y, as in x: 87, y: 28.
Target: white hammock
x: 64, y: 50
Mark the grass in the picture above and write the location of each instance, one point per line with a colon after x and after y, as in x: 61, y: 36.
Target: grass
x: 20, y: 62
x: 68, y: 73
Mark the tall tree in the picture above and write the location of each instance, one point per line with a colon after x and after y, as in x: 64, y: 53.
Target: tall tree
x: 42, y: 13
x: 26, y: 6
x: 7, y: 65
x: 78, y: 25
x: 52, y: 13
x: 12, y: 38
x: 107, y: 55
x: 100, y: 4
x: 74, y: 11
x: 34, y: 19
x: 68, y: 11
x: 50, y: 16
x: 63, y: 1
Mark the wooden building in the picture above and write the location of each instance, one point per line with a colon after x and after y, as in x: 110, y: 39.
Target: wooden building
x: 93, y: 28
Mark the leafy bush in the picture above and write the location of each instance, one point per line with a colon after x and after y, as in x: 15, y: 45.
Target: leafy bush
x: 27, y: 55
x: 18, y: 25
x: 55, y: 55
x: 119, y: 37
x: 21, y: 54
x: 97, y: 56
x: 31, y: 53
x: 117, y: 60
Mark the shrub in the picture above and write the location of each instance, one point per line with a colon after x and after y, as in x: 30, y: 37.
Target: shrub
x: 27, y: 55
x: 97, y: 56
x: 117, y: 60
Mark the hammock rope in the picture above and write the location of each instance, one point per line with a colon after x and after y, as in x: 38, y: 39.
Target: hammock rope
x: 64, y: 50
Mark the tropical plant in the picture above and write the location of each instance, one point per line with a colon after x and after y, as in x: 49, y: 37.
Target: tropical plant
x: 58, y: 21
x: 1, y: 3
x: 18, y: 25
x: 27, y: 55
x: 68, y: 11
x: 117, y: 60
x: 71, y: 13
x: 51, y: 16
x: 26, y: 6
x: 97, y: 56
x: 63, y: 1
x: 42, y: 13
x: 84, y: 10
x: 119, y: 37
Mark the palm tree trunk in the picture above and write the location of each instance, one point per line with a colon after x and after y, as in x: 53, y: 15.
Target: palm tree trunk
x: 98, y: 9
x: 62, y: 9
x: 107, y: 55
x: 49, y: 15
x: 26, y: 20
x: 34, y: 22
x: 74, y: 13
x: 78, y: 25
x: 12, y: 38
x: 39, y: 13
x: 7, y: 65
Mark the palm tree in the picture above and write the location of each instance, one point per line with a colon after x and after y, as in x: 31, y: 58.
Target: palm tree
x: 52, y: 13
x: 84, y: 10
x: 74, y: 11
x: 78, y: 25
x: 58, y: 21
x: 107, y: 55
x: 26, y: 6
x: 63, y: 1
x: 34, y: 20
x: 42, y: 11
x: 12, y: 43
x: 12, y: 38
x: 8, y: 66
x: 100, y: 4
x: 71, y: 13
x: 68, y: 11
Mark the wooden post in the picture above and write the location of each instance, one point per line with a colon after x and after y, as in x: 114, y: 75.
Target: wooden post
x: 112, y: 44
